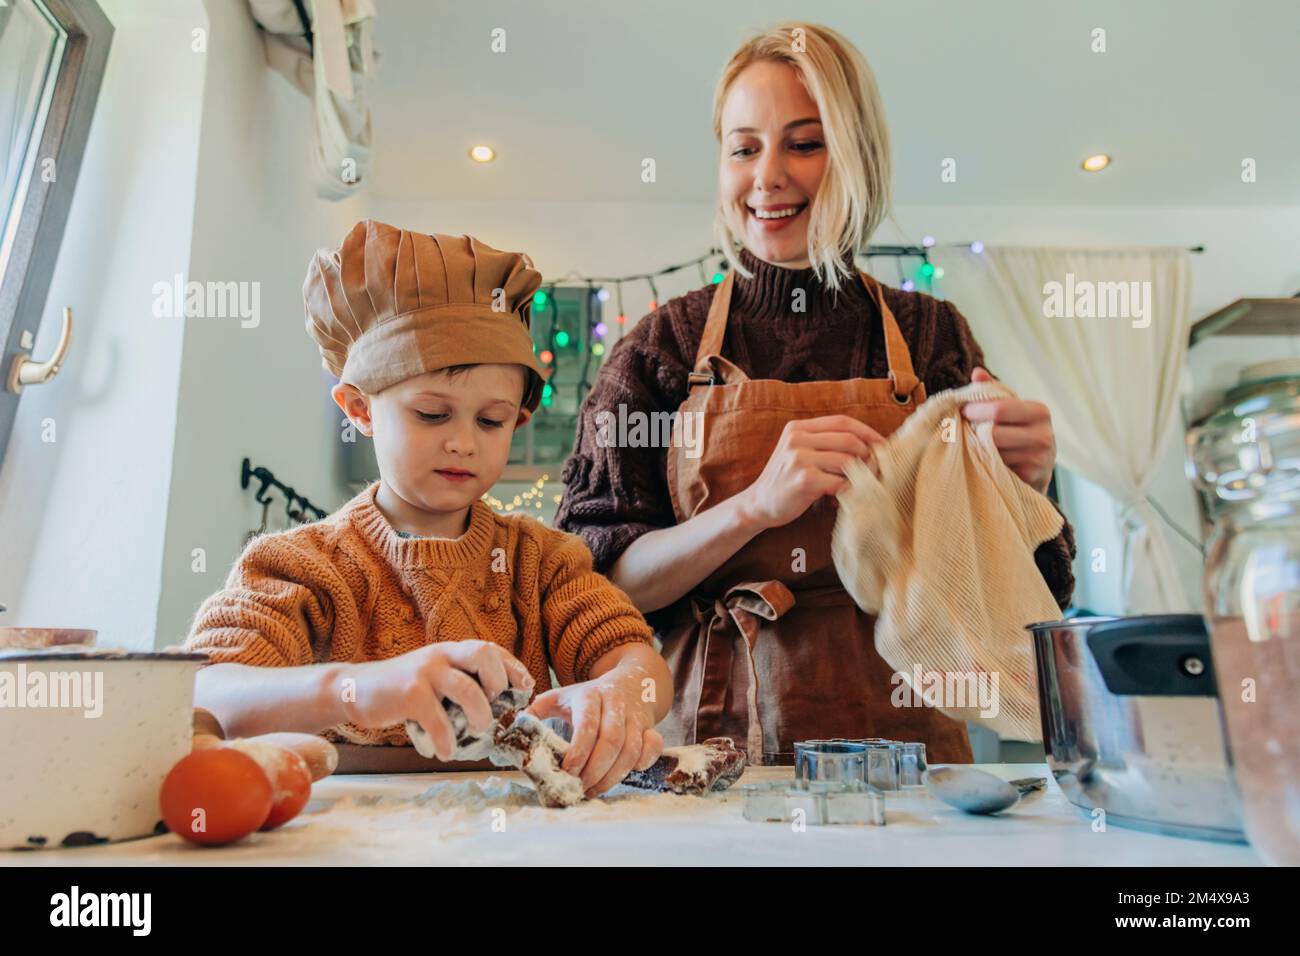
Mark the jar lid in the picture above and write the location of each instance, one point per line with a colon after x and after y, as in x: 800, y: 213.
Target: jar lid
x: 74, y: 652
x: 1249, y: 449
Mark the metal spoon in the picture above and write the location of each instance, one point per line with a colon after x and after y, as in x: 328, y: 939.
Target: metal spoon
x: 975, y: 791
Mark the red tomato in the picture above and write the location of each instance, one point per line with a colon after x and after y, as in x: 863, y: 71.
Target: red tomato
x: 289, y: 776
x: 215, y: 796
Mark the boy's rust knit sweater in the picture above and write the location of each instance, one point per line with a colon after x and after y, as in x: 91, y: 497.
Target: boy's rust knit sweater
x: 350, y: 588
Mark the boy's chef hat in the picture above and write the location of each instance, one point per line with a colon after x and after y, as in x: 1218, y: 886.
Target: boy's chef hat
x: 390, y: 304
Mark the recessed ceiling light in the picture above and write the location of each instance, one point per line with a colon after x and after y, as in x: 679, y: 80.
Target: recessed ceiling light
x: 482, y: 154
x: 1096, y: 163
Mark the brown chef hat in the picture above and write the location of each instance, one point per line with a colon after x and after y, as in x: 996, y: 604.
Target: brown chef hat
x: 391, y: 304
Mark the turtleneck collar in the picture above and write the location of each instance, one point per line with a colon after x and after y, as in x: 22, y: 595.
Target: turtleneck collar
x: 423, y: 552
x: 770, y: 293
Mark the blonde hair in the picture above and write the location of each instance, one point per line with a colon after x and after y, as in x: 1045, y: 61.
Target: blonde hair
x: 855, y: 192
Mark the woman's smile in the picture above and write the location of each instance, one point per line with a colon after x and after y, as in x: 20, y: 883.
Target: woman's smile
x: 774, y: 218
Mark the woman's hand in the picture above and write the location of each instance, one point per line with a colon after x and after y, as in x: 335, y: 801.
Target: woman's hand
x: 808, y: 463
x: 613, y: 726
x: 1022, y: 433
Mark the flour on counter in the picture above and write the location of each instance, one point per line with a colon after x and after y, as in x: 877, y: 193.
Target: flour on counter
x: 466, y: 807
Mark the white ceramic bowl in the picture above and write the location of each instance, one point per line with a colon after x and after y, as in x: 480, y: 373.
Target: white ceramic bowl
x: 89, y: 771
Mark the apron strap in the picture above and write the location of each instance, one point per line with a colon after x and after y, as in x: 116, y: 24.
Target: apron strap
x: 742, y: 606
x: 900, y: 358
x: 712, y: 368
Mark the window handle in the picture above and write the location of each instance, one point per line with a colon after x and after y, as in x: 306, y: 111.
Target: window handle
x: 27, y: 371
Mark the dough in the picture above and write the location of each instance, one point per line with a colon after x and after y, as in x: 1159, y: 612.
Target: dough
x: 695, y: 769
x: 518, y: 739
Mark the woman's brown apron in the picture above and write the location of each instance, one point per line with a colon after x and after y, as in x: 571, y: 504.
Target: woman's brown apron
x: 770, y: 648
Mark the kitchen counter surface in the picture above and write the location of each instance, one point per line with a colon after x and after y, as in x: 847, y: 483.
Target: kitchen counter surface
x: 491, y: 819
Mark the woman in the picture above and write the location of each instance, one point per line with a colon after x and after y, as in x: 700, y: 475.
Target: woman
x: 797, y: 362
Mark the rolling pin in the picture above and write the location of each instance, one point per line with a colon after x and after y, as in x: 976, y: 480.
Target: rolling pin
x: 318, y: 753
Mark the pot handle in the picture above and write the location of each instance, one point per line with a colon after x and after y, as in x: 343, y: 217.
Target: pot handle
x: 1161, y: 655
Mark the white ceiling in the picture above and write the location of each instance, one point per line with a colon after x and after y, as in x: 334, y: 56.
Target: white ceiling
x: 1010, y: 88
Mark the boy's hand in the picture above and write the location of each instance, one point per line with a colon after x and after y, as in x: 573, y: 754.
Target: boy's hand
x: 413, y: 686
x: 613, y: 726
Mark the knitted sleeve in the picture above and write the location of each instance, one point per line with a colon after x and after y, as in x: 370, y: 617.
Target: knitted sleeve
x: 279, y: 604
x: 954, y: 357
x: 613, y: 495
x: 583, y: 614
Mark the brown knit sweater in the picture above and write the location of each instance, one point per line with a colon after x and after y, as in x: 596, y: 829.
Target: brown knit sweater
x: 614, y: 495
x: 350, y: 588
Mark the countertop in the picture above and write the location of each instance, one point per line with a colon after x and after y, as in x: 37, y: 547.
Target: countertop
x: 488, y: 818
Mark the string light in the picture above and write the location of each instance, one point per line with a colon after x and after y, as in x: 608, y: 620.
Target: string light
x: 531, y: 497
x: 922, y: 277
x: 534, y: 497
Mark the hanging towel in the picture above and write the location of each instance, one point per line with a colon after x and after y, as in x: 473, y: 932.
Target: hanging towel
x: 334, y: 69
x: 936, y: 538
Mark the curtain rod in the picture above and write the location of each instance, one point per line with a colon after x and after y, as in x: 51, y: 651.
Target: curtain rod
x: 923, y: 252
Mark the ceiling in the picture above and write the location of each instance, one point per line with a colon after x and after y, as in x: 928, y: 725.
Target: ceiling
x: 1009, y: 88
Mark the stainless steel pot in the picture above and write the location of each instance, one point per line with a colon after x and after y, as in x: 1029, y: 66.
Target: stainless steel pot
x: 1132, y: 726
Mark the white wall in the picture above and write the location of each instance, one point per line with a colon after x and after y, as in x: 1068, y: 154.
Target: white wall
x: 153, y: 415
x: 82, y: 517
x: 256, y: 391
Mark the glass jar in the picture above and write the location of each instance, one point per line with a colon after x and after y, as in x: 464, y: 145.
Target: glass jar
x: 1245, y: 460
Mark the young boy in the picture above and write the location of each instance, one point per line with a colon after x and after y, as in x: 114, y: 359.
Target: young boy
x: 415, y: 590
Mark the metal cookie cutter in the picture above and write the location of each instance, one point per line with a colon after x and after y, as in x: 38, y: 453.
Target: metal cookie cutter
x: 889, y: 765
x: 829, y: 760
x: 912, y: 766
x: 815, y: 803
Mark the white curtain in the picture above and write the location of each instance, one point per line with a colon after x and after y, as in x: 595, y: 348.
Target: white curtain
x: 1100, y: 337
x: 336, y: 73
